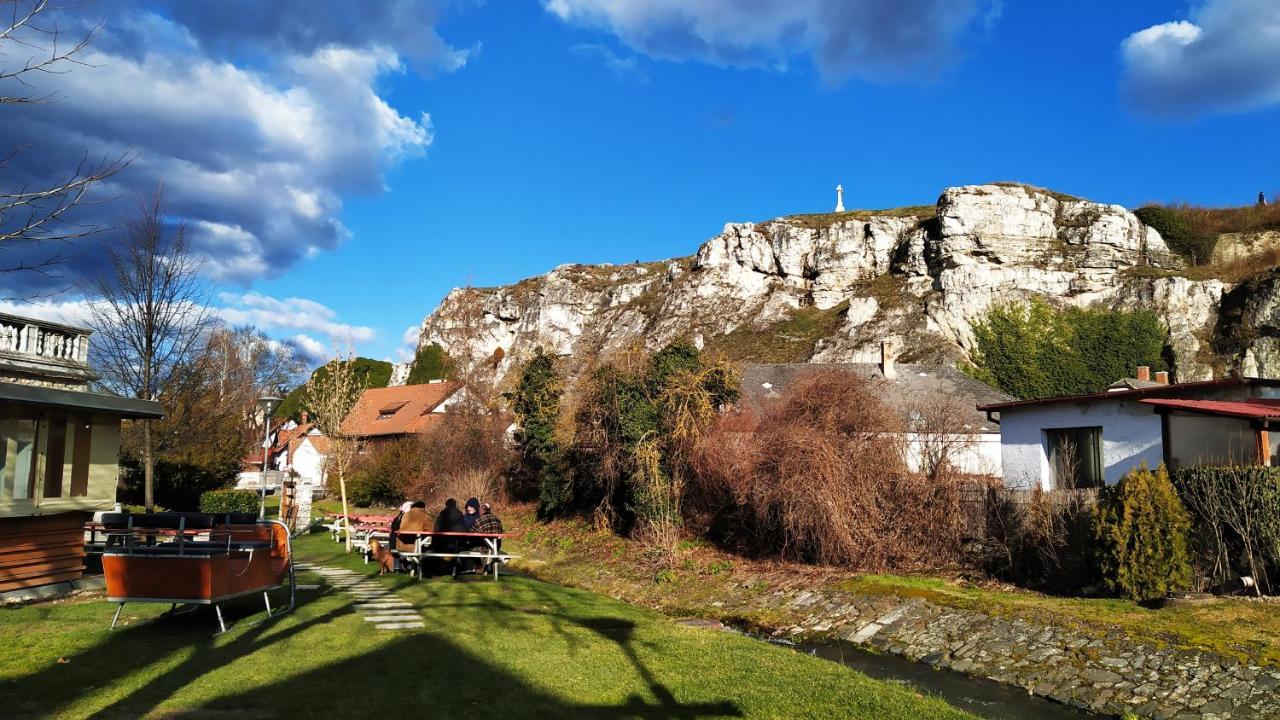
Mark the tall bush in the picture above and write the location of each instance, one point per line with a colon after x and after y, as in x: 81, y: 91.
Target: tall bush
x: 821, y: 477
x: 1033, y: 349
x: 1142, y: 529
x: 635, y: 429
x: 1235, y: 512
x: 536, y: 404
x: 1193, y: 243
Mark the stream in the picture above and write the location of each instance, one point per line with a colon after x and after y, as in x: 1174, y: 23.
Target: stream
x: 985, y: 698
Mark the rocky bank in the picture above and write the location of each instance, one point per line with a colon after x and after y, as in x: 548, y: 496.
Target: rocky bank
x: 920, y: 276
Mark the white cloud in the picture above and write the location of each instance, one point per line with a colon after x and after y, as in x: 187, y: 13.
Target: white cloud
x: 66, y: 312
x: 276, y: 315
x: 878, y: 39
x: 1223, y: 59
x: 620, y: 65
x: 408, y: 344
x: 312, y: 351
x: 255, y: 159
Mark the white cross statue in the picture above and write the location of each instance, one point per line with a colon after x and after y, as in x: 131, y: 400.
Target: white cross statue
x: 839, y: 198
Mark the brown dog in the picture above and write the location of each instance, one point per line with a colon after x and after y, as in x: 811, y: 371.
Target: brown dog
x: 386, y: 561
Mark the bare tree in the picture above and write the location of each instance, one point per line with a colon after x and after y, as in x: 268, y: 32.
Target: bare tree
x: 330, y: 394
x: 152, y: 316
x: 942, y: 434
x: 30, y: 46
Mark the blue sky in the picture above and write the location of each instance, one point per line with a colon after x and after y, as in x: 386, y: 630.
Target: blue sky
x: 482, y: 142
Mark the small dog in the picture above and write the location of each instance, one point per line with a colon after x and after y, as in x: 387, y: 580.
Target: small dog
x: 386, y: 561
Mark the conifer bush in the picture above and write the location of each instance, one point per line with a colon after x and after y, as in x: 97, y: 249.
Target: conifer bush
x: 1142, y: 529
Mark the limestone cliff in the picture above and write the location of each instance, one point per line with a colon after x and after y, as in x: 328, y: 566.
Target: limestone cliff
x: 830, y: 287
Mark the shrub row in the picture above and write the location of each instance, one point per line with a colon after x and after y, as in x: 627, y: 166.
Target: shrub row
x: 229, y: 501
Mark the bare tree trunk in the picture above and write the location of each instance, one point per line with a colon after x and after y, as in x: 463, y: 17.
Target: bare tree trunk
x: 342, y: 485
x: 148, y: 468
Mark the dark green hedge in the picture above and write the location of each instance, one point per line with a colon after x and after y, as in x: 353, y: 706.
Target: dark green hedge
x: 1196, y: 248
x: 229, y: 501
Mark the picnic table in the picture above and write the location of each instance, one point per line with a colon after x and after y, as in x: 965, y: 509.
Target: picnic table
x: 492, y: 551
x: 339, y: 523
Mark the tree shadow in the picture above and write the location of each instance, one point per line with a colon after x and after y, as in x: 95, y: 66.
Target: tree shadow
x: 414, y: 672
x: 127, y: 648
x: 422, y: 674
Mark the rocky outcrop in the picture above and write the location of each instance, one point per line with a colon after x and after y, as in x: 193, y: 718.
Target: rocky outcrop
x: 920, y: 276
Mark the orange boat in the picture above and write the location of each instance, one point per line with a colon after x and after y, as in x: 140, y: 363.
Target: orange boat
x: 194, y: 559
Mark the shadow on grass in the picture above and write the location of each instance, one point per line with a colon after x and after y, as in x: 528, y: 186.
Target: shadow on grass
x: 415, y: 673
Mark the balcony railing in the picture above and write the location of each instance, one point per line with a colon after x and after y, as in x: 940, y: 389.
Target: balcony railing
x: 43, y: 353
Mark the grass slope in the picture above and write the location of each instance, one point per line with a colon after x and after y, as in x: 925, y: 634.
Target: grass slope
x: 708, y: 582
x: 515, y: 649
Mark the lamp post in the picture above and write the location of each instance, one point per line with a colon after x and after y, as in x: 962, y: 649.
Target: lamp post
x: 268, y: 405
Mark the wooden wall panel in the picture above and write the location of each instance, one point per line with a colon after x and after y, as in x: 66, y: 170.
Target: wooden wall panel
x: 41, y: 550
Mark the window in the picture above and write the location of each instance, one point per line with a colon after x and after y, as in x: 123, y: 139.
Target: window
x: 387, y: 411
x: 1075, y: 457
x: 17, y: 456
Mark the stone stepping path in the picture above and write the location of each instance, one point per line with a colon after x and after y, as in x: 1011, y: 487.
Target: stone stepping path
x: 375, y: 603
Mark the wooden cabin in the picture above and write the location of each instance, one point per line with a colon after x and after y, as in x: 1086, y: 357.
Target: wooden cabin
x: 59, y: 450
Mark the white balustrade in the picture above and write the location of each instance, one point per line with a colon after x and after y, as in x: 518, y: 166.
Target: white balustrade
x: 56, y: 343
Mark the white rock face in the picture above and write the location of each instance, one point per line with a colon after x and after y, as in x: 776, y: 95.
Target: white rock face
x: 922, y: 280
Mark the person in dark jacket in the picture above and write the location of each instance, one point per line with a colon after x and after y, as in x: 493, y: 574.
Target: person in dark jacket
x: 449, y: 520
x: 471, y: 512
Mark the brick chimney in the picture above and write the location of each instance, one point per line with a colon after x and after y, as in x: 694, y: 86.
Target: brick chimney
x: 1144, y: 373
x: 1162, y: 377
x: 886, y: 360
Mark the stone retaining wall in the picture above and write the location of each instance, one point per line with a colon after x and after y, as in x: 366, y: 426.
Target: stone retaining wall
x: 1110, y: 674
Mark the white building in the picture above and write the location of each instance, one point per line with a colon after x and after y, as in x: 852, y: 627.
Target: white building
x: 1090, y: 440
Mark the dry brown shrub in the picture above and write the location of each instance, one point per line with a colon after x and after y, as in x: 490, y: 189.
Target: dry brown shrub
x: 465, y: 444
x: 472, y: 483
x: 822, y: 478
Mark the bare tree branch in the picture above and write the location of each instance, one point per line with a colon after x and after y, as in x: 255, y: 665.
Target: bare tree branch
x: 41, y: 215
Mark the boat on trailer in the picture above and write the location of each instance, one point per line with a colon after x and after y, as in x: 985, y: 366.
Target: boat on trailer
x: 191, y: 559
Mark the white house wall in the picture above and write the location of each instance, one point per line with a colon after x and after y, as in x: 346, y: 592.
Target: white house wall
x: 308, y: 463
x: 978, y: 454
x: 1130, y: 435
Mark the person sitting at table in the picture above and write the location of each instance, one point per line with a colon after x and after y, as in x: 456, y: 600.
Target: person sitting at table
x: 415, y: 520
x: 449, y: 520
x: 487, y: 523
x: 470, y: 513
x: 395, y: 524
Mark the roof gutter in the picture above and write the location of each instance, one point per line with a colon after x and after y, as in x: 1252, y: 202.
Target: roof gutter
x: 77, y: 400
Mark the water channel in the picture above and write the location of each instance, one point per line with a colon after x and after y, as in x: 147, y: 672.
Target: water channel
x: 985, y: 698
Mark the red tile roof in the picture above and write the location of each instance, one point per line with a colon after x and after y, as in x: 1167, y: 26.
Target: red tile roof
x: 1256, y: 408
x: 375, y: 415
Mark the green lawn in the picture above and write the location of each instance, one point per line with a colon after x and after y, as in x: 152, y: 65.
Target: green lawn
x: 514, y: 649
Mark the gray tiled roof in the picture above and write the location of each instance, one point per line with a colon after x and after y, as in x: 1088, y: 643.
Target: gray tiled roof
x: 763, y: 384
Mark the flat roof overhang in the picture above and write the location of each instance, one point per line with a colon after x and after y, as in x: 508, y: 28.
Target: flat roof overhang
x: 74, y: 399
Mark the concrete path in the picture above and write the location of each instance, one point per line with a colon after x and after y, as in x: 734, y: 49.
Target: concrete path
x: 374, y: 602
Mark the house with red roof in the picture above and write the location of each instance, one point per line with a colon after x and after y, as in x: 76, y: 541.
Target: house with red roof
x: 1085, y: 441
x: 383, y: 414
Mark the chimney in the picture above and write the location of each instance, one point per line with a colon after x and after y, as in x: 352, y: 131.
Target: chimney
x: 1144, y: 373
x: 1162, y: 377
x: 305, y: 417
x: 886, y: 360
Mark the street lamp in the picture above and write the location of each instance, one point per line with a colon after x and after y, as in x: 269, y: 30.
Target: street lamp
x: 268, y: 405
